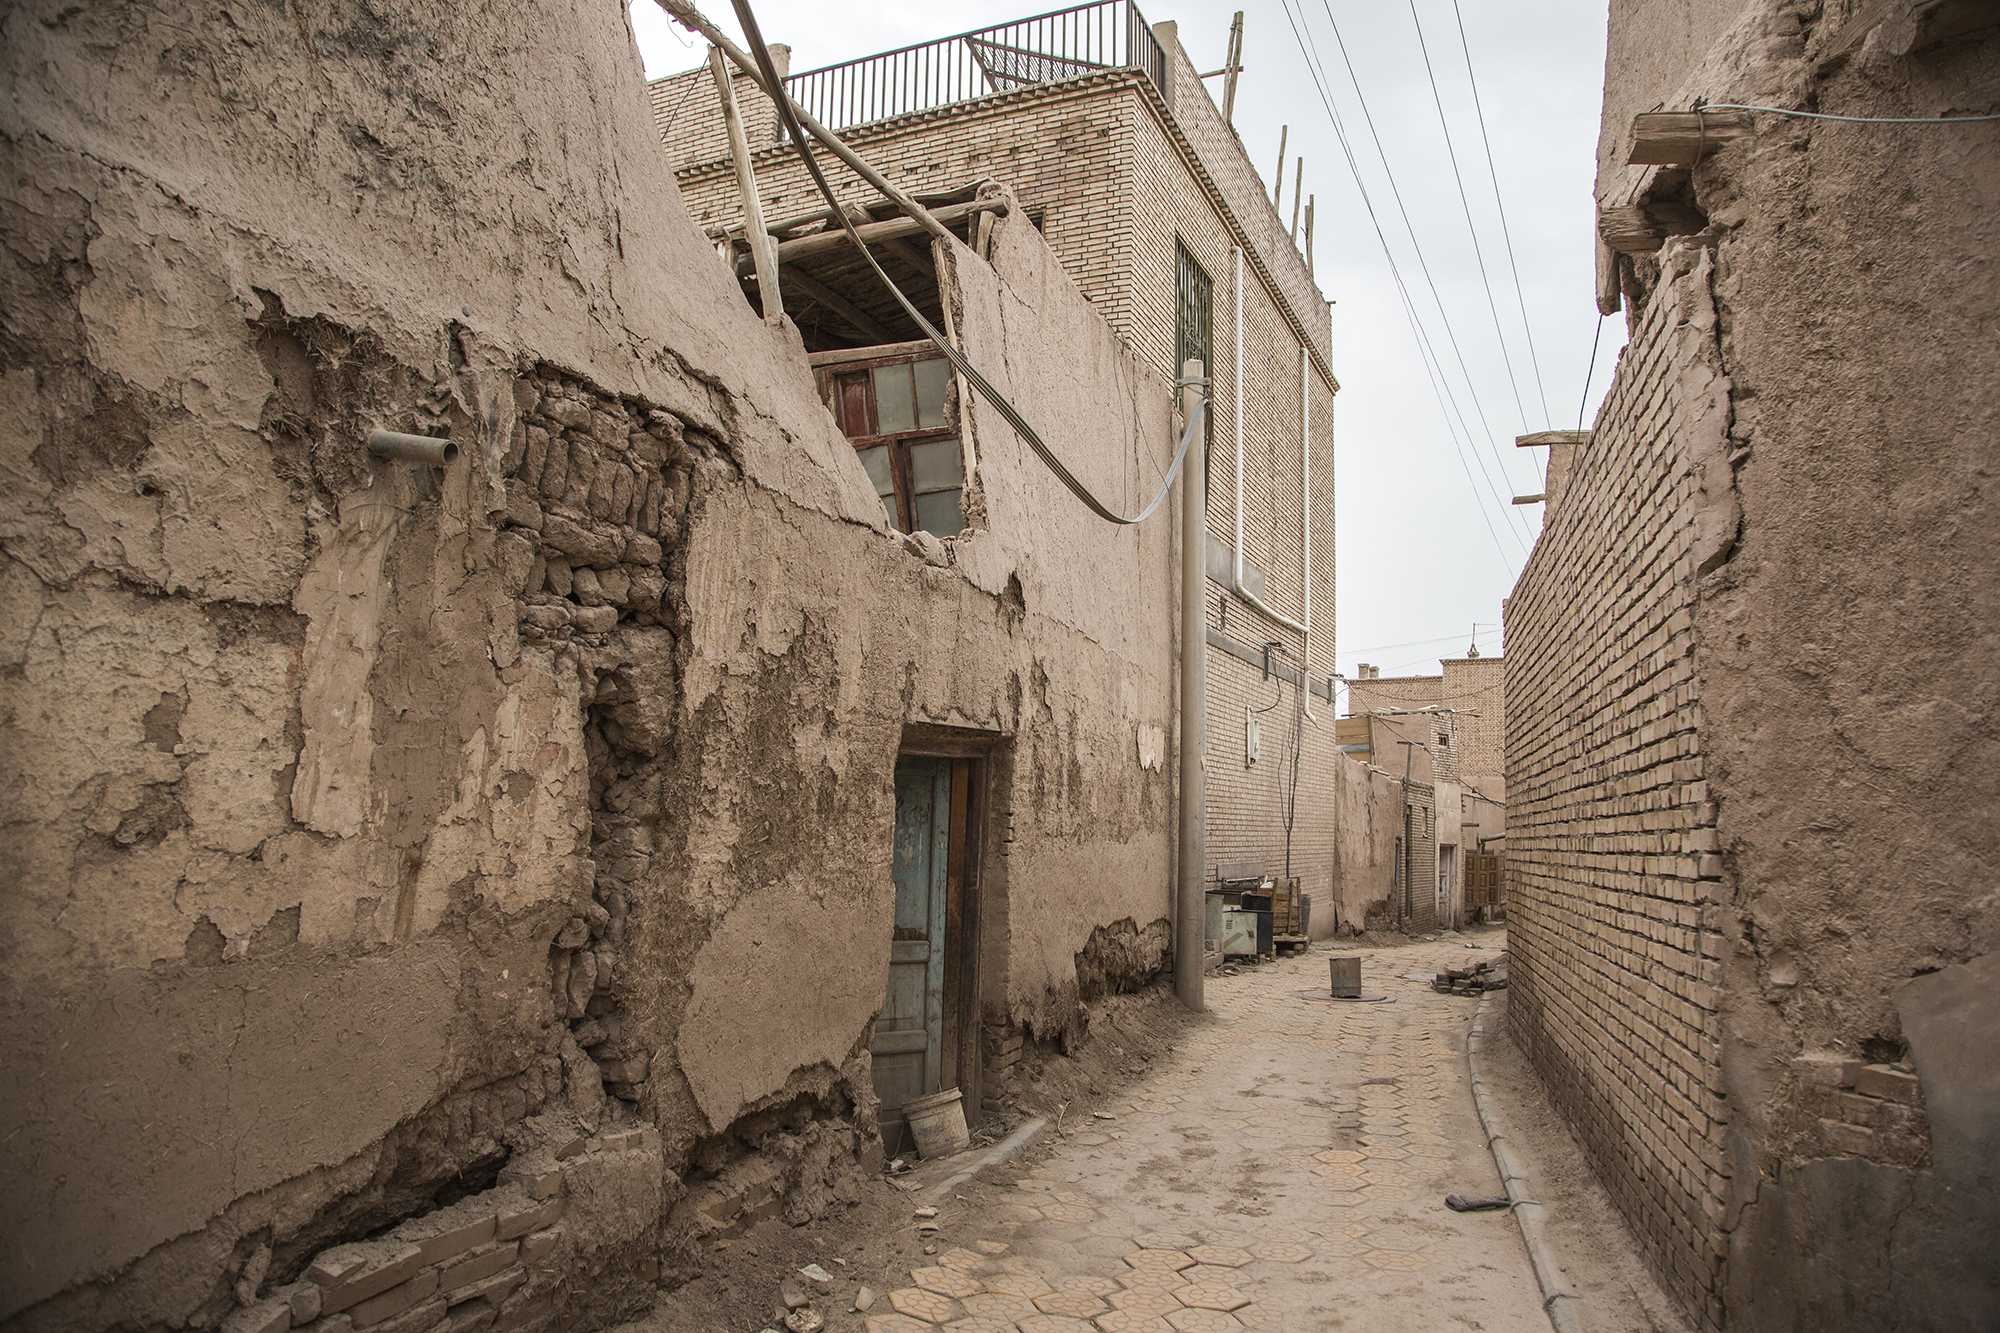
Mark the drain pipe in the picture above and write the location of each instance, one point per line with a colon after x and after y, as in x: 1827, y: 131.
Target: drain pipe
x: 1236, y: 560
x: 1190, y: 906
x: 1558, y: 1301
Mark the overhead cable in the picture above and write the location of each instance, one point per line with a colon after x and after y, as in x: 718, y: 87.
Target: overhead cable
x: 1433, y: 366
x: 1849, y: 120
x: 1423, y: 264
x: 1506, y: 233
x: 787, y: 113
x: 1465, y: 202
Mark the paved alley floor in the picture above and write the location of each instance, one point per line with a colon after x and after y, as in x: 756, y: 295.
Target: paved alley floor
x: 1285, y: 1168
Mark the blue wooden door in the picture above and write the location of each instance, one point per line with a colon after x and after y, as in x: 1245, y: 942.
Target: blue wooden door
x: 908, y: 1049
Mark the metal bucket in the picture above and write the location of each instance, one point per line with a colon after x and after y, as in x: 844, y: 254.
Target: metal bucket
x: 1346, y: 978
x: 937, y: 1122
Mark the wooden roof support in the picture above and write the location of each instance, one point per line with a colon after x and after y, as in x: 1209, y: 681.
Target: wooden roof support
x: 1683, y: 138
x: 1542, y: 437
x: 1534, y: 499
x: 860, y: 320
x: 1637, y: 229
x: 873, y: 233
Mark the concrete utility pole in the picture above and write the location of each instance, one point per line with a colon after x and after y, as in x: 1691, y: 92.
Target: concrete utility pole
x: 1190, y: 902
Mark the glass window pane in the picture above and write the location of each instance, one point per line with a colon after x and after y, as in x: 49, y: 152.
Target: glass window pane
x: 935, y: 464
x: 876, y: 459
x: 938, y: 512
x: 895, y: 407
x: 932, y: 376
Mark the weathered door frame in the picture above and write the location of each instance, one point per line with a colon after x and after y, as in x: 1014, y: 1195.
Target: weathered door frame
x: 972, y: 769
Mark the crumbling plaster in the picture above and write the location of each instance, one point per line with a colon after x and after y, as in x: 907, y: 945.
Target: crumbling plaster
x: 282, y: 767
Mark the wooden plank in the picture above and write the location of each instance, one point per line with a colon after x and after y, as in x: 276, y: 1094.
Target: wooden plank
x: 1534, y: 499
x: 860, y: 320
x: 761, y: 250
x: 874, y: 233
x: 1683, y: 138
x: 1542, y: 437
x: 1635, y: 229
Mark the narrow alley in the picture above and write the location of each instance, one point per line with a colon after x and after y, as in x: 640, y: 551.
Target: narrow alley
x: 1285, y: 1167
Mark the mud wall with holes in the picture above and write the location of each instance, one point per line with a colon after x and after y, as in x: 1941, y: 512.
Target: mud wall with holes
x: 439, y: 894
x: 1747, y: 808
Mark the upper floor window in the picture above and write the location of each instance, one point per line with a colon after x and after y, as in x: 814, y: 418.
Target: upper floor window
x: 892, y: 410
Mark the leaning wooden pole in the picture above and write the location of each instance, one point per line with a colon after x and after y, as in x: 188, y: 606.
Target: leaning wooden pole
x: 692, y: 19
x: 763, y: 254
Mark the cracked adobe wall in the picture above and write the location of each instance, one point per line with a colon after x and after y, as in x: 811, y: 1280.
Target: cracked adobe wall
x: 381, y: 832
x: 1757, y: 765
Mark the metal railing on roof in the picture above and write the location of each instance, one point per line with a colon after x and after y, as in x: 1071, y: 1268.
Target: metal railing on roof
x: 1048, y: 48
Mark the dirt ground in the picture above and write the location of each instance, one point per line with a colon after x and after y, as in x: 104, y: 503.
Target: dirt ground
x: 1343, y: 1128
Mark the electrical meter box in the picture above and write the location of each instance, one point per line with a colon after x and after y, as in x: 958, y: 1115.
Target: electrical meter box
x: 1239, y: 933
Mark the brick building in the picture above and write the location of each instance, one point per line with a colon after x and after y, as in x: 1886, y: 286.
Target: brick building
x: 1750, y: 791
x: 1458, y: 720
x: 1145, y: 194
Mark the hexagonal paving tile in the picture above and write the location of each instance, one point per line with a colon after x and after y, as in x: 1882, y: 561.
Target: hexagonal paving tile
x: 946, y: 1282
x: 1203, y: 1321
x: 1095, y: 1286
x: 1023, y: 1284
x: 1208, y: 1273
x: 1340, y: 1155
x: 1131, y: 1321
x: 1158, y: 1261
x: 1211, y: 1296
x: 920, y: 1304
x: 898, y: 1323
x: 962, y: 1260
x: 1075, y: 1304
x: 1221, y: 1256
x: 1053, y: 1323
x: 1285, y: 1252
x: 993, y: 1305
x: 977, y: 1324
x: 1068, y: 1212
x: 990, y: 1247
x: 1145, y: 1300
x: 1015, y: 1212
x: 1392, y: 1261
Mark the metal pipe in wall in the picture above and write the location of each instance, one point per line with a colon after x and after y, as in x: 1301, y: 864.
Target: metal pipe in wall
x: 1190, y: 904
x: 411, y: 448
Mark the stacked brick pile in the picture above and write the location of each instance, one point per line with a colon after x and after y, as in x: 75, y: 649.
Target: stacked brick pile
x: 491, y: 1261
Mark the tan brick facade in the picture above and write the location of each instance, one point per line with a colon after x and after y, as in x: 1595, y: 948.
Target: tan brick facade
x: 1612, y: 872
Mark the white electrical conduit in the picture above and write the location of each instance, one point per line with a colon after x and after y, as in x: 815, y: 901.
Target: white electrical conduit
x: 1305, y: 435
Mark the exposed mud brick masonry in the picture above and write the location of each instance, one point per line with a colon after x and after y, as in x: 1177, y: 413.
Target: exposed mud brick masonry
x: 440, y: 893
x: 1751, y: 754
x: 1118, y: 172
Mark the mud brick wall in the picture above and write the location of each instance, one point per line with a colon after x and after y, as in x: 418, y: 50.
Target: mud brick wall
x: 1416, y: 906
x: 1611, y: 864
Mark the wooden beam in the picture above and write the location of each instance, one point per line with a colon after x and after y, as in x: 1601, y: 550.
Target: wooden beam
x: 860, y: 320
x: 1637, y: 229
x: 1683, y: 138
x: 762, y: 253
x: 874, y: 233
x: 1534, y: 499
x: 1542, y: 437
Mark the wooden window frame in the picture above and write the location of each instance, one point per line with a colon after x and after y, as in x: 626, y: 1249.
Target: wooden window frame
x: 899, y: 442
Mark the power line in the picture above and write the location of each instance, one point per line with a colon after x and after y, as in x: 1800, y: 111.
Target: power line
x: 1426, y: 353
x: 1423, y: 264
x: 1465, y: 202
x: 1591, y: 373
x: 1418, y: 643
x: 1506, y: 233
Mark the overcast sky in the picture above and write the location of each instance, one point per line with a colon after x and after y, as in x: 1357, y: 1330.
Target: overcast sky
x: 1427, y: 543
